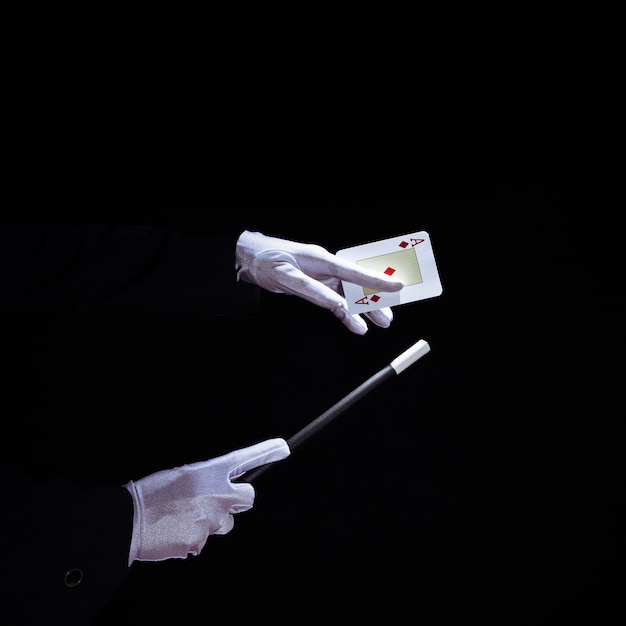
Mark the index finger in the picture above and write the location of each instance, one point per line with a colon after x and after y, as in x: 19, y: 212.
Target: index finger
x: 353, y: 273
x: 258, y: 454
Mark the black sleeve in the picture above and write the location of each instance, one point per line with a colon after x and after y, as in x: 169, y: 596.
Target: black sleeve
x: 121, y: 268
x: 64, y: 549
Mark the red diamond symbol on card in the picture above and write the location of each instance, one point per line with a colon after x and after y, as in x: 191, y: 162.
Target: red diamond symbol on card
x: 389, y: 271
x: 375, y: 298
x: 403, y: 244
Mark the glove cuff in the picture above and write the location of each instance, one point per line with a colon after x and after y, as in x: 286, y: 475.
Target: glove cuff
x: 245, y: 252
x: 135, y: 543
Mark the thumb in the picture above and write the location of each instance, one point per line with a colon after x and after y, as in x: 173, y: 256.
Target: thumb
x: 256, y: 455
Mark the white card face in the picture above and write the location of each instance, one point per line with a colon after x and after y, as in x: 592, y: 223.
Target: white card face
x: 408, y: 258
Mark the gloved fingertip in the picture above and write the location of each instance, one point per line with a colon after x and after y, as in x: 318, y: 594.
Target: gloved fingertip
x: 353, y: 323
x: 386, y: 317
x: 396, y: 285
x: 357, y: 325
x: 281, y: 449
x: 381, y: 317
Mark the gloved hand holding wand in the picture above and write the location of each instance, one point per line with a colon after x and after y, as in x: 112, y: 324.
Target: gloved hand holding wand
x: 176, y: 510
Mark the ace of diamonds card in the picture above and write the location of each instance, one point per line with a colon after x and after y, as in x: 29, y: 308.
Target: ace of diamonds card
x: 408, y: 258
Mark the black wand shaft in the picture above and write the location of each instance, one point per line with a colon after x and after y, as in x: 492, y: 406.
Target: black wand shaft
x: 337, y: 409
x: 398, y: 365
x: 327, y: 416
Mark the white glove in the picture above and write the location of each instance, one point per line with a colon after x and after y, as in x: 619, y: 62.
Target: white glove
x: 310, y: 272
x: 177, y: 509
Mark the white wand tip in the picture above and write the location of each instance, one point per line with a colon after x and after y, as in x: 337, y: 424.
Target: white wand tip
x: 408, y: 357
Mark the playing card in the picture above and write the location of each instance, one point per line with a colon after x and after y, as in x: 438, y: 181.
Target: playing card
x: 408, y: 258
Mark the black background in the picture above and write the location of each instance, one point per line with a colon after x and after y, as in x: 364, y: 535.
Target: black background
x: 481, y: 483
